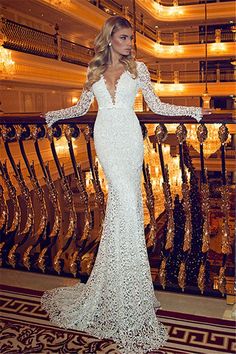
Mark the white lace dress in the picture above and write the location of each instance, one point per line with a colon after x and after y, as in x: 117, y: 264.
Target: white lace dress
x: 118, y: 300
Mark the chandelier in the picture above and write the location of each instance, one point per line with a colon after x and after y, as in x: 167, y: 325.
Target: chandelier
x: 7, y: 65
x: 175, y: 177
x: 211, y: 144
x: 151, y: 158
x: 102, y: 179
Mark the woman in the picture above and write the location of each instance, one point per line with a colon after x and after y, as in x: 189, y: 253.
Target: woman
x: 118, y: 301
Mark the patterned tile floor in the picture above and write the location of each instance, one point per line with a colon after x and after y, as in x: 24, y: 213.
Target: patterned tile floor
x: 192, y: 304
x: 197, y: 325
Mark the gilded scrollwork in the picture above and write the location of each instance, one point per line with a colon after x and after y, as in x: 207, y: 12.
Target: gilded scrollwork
x: 170, y: 213
x: 222, y: 280
x: 150, y: 202
x: 29, y: 224
x: 188, y: 217
x: 225, y: 208
x: 205, y: 211
x: 182, y: 275
x: 41, y: 231
x: 13, y: 197
x: 4, y: 215
x: 201, y: 280
x: 68, y: 197
x: 162, y: 273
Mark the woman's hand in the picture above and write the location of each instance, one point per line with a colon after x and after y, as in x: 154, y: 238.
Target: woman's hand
x: 47, y: 119
x: 206, y: 111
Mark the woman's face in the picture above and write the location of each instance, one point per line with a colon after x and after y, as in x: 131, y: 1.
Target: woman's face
x: 121, y: 41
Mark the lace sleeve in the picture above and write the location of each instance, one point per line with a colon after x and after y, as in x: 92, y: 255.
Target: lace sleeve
x: 155, y: 104
x: 79, y: 109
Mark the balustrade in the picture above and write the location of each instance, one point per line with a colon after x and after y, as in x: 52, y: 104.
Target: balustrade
x: 25, y: 39
x: 53, y: 197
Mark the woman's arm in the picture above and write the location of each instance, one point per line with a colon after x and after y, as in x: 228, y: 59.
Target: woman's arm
x: 81, y: 108
x: 154, y: 102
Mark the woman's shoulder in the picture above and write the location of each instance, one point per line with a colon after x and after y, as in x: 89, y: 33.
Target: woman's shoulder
x: 141, y: 68
x: 139, y: 63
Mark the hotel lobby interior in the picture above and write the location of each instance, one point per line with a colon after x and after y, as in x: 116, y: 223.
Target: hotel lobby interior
x: 54, y: 191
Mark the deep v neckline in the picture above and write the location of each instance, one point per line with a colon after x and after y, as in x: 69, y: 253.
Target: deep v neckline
x: 113, y: 97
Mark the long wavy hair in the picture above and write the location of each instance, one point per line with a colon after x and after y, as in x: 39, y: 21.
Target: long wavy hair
x: 102, y: 57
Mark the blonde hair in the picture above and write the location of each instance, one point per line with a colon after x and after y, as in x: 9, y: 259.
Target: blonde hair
x: 98, y: 65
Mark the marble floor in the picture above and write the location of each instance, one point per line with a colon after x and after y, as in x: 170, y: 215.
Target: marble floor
x: 192, y: 304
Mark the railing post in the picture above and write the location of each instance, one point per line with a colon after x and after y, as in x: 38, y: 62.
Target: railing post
x: 202, y: 73
x: 176, y: 76
x: 158, y: 76
x: 142, y: 24
x: 176, y: 38
x: 125, y: 10
x: 217, y: 73
x: 218, y: 35
x: 158, y: 36
x: 58, y: 42
x: 206, y: 100
x: 234, y: 107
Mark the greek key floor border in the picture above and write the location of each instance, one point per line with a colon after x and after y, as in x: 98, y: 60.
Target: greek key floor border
x: 25, y: 327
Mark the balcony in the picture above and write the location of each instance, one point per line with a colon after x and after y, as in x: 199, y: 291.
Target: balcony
x: 25, y: 40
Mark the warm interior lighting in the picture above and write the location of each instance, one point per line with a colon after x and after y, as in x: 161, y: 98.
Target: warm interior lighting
x: 159, y: 87
x: 233, y: 28
x: 158, y: 7
x: 176, y: 87
x: 158, y: 47
x: 138, y: 104
x: 151, y: 158
x: 61, y: 147
x: 168, y: 10
x: 217, y: 47
x: 7, y: 65
x: 74, y: 100
x: 175, y: 178
x: 212, y: 143
x: 206, y: 99
x: 169, y: 87
x: 59, y: 2
x: 102, y: 179
x: 175, y: 10
x: 175, y: 49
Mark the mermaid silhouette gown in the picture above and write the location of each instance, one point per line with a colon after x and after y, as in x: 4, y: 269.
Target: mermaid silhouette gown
x: 118, y: 300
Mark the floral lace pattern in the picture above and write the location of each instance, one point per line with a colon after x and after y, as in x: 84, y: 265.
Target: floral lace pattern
x: 77, y: 110
x: 118, y: 301
x: 155, y: 104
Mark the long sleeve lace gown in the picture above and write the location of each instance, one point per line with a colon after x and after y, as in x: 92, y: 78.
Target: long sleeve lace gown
x: 118, y: 300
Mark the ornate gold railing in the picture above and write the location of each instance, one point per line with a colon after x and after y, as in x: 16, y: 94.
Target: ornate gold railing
x: 30, y: 40
x: 53, y: 199
x: 112, y: 7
